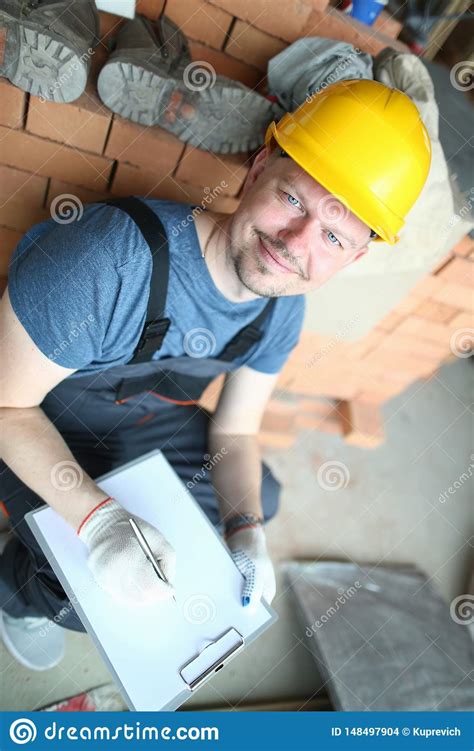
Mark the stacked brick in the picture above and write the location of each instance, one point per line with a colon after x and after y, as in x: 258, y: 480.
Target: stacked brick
x: 48, y: 150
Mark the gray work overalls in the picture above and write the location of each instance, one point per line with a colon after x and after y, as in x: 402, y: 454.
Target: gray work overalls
x: 112, y: 416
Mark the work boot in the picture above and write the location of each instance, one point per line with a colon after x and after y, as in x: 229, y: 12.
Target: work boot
x: 150, y: 79
x: 46, y: 45
x: 36, y: 643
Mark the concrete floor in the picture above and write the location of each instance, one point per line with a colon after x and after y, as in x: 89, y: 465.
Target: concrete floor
x: 389, y: 512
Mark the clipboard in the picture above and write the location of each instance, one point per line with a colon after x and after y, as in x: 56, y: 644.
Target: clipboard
x: 160, y: 654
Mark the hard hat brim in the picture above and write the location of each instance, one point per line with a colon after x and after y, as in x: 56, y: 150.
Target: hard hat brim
x: 365, y: 205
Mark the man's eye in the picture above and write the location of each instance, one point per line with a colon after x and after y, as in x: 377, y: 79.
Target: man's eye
x: 335, y: 238
x: 292, y: 199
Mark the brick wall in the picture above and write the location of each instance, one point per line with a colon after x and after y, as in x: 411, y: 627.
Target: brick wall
x: 49, y: 149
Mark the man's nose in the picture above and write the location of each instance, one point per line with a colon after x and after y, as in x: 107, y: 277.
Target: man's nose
x: 301, y: 237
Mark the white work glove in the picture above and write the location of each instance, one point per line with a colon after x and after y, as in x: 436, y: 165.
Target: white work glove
x: 117, y: 561
x: 249, y: 552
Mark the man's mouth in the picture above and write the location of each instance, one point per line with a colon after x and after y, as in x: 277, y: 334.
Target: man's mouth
x: 271, y: 258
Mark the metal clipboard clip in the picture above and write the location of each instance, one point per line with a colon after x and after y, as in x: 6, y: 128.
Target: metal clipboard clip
x: 211, y: 658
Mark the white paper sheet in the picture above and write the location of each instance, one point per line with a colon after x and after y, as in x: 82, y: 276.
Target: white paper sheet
x: 145, y: 649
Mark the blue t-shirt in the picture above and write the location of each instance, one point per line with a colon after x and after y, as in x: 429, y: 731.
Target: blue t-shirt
x: 81, y: 291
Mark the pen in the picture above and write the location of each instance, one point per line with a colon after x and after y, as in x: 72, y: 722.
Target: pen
x: 148, y: 552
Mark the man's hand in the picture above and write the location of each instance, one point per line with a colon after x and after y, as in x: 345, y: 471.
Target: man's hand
x: 249, y: 552
x: 117, y: 561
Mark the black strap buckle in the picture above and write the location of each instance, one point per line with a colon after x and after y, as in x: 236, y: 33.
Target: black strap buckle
x: 153, y: 330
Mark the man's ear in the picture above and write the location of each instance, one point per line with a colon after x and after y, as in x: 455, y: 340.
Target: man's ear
x: 258, y: 165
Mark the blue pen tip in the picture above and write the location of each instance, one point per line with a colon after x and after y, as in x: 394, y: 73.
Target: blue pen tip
x: 245, y: 601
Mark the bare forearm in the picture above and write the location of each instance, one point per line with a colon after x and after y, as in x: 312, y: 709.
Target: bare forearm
x: 36, y: 452
x: 236, y: 473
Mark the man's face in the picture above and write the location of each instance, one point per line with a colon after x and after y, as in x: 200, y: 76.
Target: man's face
x: 286, y: 214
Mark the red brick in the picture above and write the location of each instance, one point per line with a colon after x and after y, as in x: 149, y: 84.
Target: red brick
x: 278, y: 420
x: 9, y: 239
x: 424, y: 329
x: 379, y: 371
x: 83, y: 123
x: 287, y: 22
x: 109, y: 25
x: 334, y: 24
x: 464, y: 247
x: 151, y: 148
x: 132, y: 181
x: 376, y: 395
x: 13, y: 104
x: 435, y: 311
x: 427, y: 287
x: 390, y: 321
x: 272, y: 440
x: 201, y: 21
x: 333, y: 383
x: 252, y: 45
x: 458, y: 271
x: 362, y: 347
x: 225, y: 65
x: 407, y: 305
x: 51, y: 159
x: 398, y: 363
x: 210, y: 170
x: 387, y: 24
x: 442, y: 262
x: 21, y: 215
x: 61, y: 188
x: 317, y: 415
x: 462, y: 320
x: 361, y: 423
x: 416, y: 346
x: 455, y: 294
x: 17, y: 185
x: 150, y: 8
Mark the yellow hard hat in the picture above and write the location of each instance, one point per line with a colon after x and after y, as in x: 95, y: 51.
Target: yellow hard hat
x: 366, y: 144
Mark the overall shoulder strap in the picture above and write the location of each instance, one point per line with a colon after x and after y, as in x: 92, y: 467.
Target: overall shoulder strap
x: 152, y: 229
x: 248, y: 336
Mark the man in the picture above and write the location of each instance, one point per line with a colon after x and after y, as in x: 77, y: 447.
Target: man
x: 113, y: 325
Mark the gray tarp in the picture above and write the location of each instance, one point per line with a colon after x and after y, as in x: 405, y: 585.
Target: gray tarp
x: 382, y: 638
